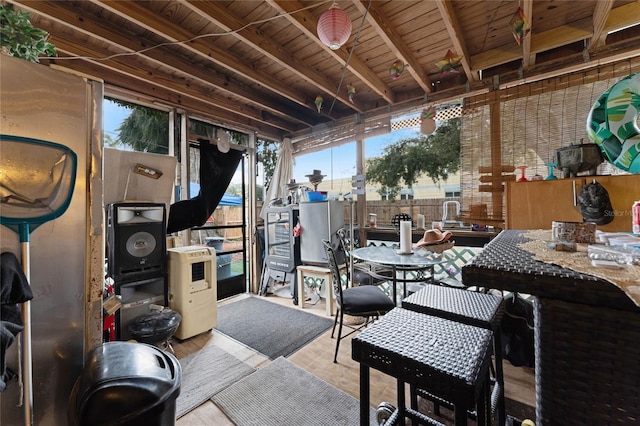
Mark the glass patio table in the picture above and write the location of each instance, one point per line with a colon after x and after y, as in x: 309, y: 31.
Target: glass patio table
x: 419, y: 263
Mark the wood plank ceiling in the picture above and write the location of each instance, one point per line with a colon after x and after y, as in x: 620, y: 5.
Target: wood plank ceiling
x: 259, y: 65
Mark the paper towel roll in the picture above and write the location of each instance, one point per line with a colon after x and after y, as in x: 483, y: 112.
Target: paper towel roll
x: 405, y: 236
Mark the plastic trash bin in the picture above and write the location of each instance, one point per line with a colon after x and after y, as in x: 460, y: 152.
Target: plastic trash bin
x: 126, y: 383
x: 223, y: 263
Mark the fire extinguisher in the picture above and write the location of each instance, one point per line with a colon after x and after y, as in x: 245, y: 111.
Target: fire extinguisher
x: 108, y: 320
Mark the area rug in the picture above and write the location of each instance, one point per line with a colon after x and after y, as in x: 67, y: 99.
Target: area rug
x: 205, y: 373
x: 269, y: 328
x: 281, y: 393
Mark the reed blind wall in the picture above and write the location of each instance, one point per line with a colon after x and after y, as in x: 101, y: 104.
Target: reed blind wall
x: 523, y: 126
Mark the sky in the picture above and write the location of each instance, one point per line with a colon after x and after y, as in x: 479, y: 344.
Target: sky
x: 113, y: 115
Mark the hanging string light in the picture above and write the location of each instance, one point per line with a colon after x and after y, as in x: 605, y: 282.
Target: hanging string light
x: 334, y: 27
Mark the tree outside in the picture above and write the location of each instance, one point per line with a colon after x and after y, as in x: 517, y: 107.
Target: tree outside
x: 144, y: 130
x: 267, y: 155
x: 19, y: 38
x: 436, y: 156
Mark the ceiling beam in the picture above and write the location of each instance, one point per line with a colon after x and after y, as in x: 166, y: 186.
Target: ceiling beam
x: 66, y: 14
x: 582, y: 29
x: 621, y: 51
x: 306, y: 22
x: 120, y: 87
x: 135, y: 12
x: 600, y: 15
x: 127, y: 69
x: 393, y: 40
x: 528, y: 58
x: 455, y: 33
x: 622, y: 17
x: 249, y: 35
x: 540, y: 42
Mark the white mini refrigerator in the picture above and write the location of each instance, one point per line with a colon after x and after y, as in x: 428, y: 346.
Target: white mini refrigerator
x: 319, y: 221
x: 193, y: 288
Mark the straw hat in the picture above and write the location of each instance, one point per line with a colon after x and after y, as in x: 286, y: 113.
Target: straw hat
x: 434, y: 236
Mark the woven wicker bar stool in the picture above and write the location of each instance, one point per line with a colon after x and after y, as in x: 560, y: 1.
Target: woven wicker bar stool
x: 468, y: 307
x: 445, y: 358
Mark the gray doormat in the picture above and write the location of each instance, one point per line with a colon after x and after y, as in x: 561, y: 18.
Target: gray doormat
x: 281, y: 393
x: 205, y: 373
x: 269, y: 328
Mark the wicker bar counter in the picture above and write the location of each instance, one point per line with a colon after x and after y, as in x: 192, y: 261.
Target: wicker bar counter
x: 587, y: 335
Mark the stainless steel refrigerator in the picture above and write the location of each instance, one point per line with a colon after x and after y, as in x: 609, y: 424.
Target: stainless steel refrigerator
x: 319, y: 220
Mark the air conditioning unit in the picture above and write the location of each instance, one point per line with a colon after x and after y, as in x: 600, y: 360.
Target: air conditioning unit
x: 193, y: 288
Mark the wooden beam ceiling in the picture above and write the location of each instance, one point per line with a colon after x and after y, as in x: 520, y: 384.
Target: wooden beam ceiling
x: 259, y: 65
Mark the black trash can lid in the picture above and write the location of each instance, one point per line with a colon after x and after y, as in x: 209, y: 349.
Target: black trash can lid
x: 122, y: 381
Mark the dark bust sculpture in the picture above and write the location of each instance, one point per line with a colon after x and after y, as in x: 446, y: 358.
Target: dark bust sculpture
x: 577, y: 158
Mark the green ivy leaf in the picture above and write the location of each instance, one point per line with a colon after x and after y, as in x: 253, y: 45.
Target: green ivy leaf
x: 19, y: 38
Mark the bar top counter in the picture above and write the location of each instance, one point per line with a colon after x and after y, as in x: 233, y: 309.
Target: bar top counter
x: 504, y: 265
x: 587, y: 334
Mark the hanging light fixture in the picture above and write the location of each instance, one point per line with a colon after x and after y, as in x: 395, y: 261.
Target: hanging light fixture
x: 334, y: 27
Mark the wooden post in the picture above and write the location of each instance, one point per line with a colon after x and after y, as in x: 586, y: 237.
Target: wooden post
x: 496, y: 159
x: 361, y: 206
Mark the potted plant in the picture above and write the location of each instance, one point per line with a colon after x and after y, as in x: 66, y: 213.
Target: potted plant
x: 19, y: 38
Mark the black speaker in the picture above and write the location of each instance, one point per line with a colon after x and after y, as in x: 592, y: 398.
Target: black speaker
x: 137, y: 246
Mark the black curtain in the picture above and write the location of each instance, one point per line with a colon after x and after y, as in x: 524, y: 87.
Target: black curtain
x: 216, y: 171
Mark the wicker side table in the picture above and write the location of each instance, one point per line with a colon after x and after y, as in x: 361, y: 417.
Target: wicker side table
x: 448, y: 359
x: 472, y: 308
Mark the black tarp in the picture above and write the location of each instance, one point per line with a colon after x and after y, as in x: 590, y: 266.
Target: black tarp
x: 216, y: 171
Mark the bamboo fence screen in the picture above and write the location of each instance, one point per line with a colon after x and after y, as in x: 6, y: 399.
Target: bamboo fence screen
x: 523, y: 126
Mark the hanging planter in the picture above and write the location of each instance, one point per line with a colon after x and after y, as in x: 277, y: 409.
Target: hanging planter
x: 428, y: 120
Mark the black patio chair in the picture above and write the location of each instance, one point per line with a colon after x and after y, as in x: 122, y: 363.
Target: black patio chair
x: 397, y: 218
x: 364, y: 273
x: 367, y: 301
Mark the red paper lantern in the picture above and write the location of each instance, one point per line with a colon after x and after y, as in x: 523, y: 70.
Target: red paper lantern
x: 334, y: 27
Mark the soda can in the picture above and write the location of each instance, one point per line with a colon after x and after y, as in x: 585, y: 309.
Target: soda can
x: 635, y: 215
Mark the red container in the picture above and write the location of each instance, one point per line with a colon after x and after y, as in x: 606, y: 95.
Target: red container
x: 635, y: 217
